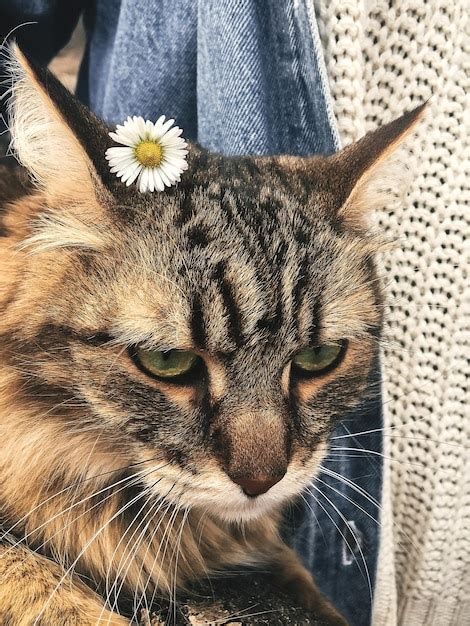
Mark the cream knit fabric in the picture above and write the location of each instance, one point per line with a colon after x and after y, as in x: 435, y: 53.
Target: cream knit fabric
x: 383, y: 58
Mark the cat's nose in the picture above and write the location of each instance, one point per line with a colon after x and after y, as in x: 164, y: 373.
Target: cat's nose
x: 256, y: 486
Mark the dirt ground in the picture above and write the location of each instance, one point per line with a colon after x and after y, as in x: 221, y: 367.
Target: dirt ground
x: 242, y: 600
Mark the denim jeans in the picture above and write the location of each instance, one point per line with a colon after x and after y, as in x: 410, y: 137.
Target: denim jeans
x: 239, y: 76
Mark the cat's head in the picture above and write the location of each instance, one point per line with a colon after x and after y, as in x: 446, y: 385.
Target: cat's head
x: 217, y: 330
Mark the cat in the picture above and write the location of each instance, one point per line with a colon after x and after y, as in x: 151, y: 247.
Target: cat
x: 252, y: 282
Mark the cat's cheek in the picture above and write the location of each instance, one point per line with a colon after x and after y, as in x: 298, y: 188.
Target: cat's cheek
x: 305, y: 464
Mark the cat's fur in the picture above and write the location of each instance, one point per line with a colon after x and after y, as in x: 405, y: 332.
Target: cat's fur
x: 117, y: 485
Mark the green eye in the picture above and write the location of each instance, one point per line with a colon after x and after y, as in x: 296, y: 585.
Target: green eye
x: 168, y: 364
x: 318, y: 359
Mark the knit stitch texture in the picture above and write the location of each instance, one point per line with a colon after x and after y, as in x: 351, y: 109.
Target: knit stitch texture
x: 383, y: 58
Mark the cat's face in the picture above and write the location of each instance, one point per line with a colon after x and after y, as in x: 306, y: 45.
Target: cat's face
x: 243, y: 276
x: 217, y: 330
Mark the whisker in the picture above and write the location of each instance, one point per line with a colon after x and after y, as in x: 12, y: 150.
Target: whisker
x: 83, y: 550
x: 241, y: 614
x: 314, y: 515
x: 367, y: 496
x: 143, y: 597
x: 136, y: 476
x: 120, y: 566
x: 391, y: 435
x: 177, y: 551
x: 165, y: 540
x: 113, y: 363
x: 388, y: 458
x: 144, y: 586
x: 376, y: 430
x: 317, y: 479
x: 335, y: 508
x: 333, y: 522
x: 71, y: 486
x: 160, y: 502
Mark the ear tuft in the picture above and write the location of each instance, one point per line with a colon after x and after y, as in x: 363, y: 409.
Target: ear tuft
x: 369, y: 173
x: 52, y: 231
x: 43, y: 138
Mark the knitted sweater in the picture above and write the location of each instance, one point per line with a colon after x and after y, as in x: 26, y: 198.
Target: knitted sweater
x: 383, y: 58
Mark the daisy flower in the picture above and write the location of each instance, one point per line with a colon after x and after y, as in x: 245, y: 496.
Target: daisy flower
x: 153, y: 154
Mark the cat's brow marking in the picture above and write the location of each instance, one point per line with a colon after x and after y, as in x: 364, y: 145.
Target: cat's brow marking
x: 198, y: 329
x: 226, y: 291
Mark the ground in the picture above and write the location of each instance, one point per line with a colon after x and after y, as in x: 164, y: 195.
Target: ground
x: 241, y: 600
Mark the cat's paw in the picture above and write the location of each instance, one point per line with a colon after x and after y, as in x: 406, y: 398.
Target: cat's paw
x: 299, y: 584
x: 109, y: 619
x: 91, y: 619
x: 307, y: 595
x: 83, y: 612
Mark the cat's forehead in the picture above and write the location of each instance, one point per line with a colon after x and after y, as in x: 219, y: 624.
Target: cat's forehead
x: 250, y: 201
x: 248, y: 217
x: 254, y: 184
x: 234, y: 262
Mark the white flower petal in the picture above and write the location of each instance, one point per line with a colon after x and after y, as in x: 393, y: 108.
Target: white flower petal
x: 157, y: 179
x: 171, y: 173
x: 173, y: 132
x: 139, y: 181
x: 139, y: 178
x: 164, y: 177
x: 155, y: 134
x: 121, y: 164
x: 168, y: 124
x: 157, y: 127
x: 119, y: 170
x: 123, y: 160
x: 141, y: 126
x: 130, y: 158
x: 175, y: 152
x: 129, y: 170
x: 157, y: 176
x: 119, y: 138
x: 175, y: 143
x: 123, y: 171
x: 118, y: 152
x: 144, y: 180
x: 174, y: 162
x: 130, y: 131
x: 133, y: 176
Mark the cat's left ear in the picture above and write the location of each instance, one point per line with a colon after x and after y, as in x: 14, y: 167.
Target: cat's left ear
x: 363, y: 175
x: 55, y: 137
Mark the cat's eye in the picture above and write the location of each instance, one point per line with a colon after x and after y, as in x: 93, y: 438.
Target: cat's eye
x: 170, y: 364
x: 318, y: 359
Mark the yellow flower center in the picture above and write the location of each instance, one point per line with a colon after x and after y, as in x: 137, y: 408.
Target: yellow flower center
x: 149, y: 153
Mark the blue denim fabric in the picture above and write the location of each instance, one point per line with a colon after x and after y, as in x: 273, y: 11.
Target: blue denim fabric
x: 336, y: 530
x: 240, y: 76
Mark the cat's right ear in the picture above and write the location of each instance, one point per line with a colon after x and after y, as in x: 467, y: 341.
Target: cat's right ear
x: 55, y: 137
x: 365, y: 175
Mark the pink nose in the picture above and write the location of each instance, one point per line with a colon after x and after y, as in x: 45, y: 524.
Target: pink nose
x: 256, y: 486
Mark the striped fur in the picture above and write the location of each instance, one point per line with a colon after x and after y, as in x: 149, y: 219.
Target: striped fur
x: 108, y: 474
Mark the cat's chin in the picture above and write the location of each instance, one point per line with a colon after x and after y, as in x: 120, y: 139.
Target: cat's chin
x: 248, y: 510
x: 231, y: 505
x: 236, y: 507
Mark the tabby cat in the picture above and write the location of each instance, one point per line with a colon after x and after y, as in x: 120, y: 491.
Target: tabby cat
x: 171, y: 364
